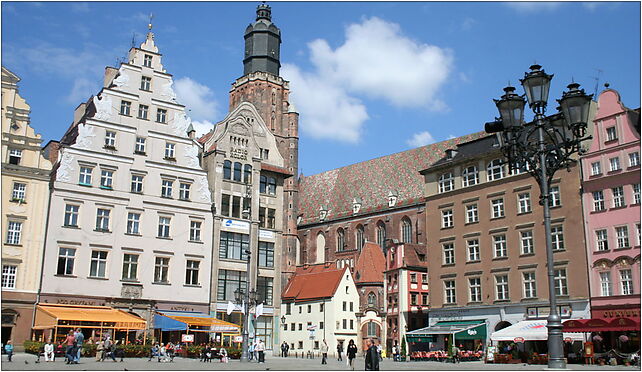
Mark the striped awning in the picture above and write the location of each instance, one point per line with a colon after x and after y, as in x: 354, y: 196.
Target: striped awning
x: 193, y: 319
x: 50, y: 316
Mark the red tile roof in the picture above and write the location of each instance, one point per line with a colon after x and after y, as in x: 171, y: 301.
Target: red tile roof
x: 275, y: 169
x: 205, y: 137
x: 311, y: 282
x: 370, y: 265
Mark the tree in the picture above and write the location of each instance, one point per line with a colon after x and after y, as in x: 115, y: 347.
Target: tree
x: 403, y: 347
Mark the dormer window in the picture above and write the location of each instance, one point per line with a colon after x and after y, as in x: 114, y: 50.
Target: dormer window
x: 147, y: 61
x: 356, y: 205
x: 323, y: 213
x: 392, y: 199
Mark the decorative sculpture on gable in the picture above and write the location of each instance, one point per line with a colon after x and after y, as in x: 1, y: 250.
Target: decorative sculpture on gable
x: 167, y: 91
x: 180, y: 124
x: 103, y: 108
x: 84, y: 139
x: 191, y: 154
x: 63, y: 174
x: 122, y: 80
x: 204, y: 190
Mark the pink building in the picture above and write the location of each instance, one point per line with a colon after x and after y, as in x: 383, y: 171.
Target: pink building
x: 611, y: 201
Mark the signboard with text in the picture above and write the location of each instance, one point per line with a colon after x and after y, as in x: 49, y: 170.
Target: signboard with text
x: 187, y: 338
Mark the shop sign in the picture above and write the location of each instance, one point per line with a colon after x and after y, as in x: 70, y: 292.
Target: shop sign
x: 519, y: 339
x: 75, y: 302
x: 622, y: 313
x: 187, y: 338
x: 266, y: 234
x: 238, y: 338
x: 181, y: 308
x: 542, y: 312
x: 234, y: 224
x: 238, y: 153
x: 568, y: 339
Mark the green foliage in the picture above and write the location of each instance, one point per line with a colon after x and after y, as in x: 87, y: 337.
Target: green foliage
x: 403, y: 346
x: 33, y: 347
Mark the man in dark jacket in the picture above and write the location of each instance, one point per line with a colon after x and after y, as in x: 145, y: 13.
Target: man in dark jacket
x: 372, y: 357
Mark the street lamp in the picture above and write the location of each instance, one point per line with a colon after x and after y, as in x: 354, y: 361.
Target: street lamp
x: 541, y: 148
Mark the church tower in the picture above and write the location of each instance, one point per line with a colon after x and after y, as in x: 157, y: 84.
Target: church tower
x: 262, y: 86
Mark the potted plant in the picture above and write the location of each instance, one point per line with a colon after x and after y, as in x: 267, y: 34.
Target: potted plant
x: 402, y: 356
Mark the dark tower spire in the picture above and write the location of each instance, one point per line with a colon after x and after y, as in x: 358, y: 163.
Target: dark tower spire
x: 262, y: 44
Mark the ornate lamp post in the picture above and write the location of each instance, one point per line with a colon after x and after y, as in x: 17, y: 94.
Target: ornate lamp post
x: 541, y: 148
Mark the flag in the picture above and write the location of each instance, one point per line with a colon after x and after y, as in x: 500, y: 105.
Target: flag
x: 230, y: 307
x: 243, y: 307
x: 259, y: 310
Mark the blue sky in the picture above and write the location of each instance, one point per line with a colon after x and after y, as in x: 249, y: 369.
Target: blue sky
x: 368, y: 78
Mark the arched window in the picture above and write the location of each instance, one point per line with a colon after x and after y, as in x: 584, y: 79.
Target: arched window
x: 341, y: 240
x: 247, y: 173
x: 406, y: 230
x: 360, y: 235
x: 372, y: 299
x: 271, y: 187
x: 237, y: 171
x: 227, y: 170
x: 320, y: 254
x: 495, y: 170
x: 372, y: 329
x: 381, y: 235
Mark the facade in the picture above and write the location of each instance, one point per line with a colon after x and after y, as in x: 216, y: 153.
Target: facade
x: 406, y: 291
x: 611, y: 201
x: 130, y: 213
x: 319, y: 303
x: 25, y: 195
x: 370, y: 288
x: 251, y: 157
x: 486, y: 247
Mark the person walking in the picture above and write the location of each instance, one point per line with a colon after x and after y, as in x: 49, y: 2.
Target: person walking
x: 324, y: 352
x: 80, y: 338
x: 379, y: 351
x: 8, y: 348
x: 351, y: 353
x: 250, y: 351
x: 49, y: 351
x: 372, y: 356
x: 108, y: 350
x: 153, y: 352
x: 260, y: 348
x: 339, y: 351
x: 284, y: 349
x: 456, y: 351
x: 100, y: 349
x: 70, y: 340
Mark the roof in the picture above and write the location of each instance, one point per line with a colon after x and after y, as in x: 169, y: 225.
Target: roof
x: 275, y: 169
x: 370, y: 265
x: 312, y: 282
x: 203, y: 139
x: 371, y: 181
x: 469, y: 150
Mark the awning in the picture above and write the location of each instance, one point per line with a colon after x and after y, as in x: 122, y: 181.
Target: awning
x: 601, y: 325
x: 463, y: 330
x: 183, y: 320
x: 529, y: 330
x: 50, y: 316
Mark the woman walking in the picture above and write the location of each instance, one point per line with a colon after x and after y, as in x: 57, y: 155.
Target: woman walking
x: 351, y: 352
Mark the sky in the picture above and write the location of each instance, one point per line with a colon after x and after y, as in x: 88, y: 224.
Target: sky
x: 367, y: 78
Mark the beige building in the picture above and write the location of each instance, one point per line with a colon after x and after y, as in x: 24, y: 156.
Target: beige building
x: 25, y: 194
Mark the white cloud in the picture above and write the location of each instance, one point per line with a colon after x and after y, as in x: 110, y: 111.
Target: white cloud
x: 81, y: 90
x: 533, y: 6
x: 202, y: 127
x: 375, y: 61
x: 421, y: 139
x: 198, y: 98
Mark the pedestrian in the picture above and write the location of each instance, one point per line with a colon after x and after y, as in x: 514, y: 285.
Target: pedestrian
x: 49, y: 351
x: 162, y: 354
x: 372, y: 356
x: 379, y: 351
x: 260, y: 348
x: 395, y: 352
x: 8, y: 348
x: 351, y: 353
x: 250, y: 351
x: 80, y: 338
x: 153, y: 352
x: 284, y: 349
x: 223, y: 354
x: 100, y: 349
x: 108, y: 350
x: 324, y: 352
x: 69, y: 351
x: 455, y: 354
x: 339, y: 350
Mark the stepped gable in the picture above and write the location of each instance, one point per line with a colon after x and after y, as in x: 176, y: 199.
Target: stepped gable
x: 311, y: 282
x: 370, y: 265
x: 372, y: 181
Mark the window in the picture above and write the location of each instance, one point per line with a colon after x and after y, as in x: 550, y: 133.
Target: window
x: 424, y: 299
x: 372, y: 300
x: 163, y: 226
x: 561, y: 285
x: 264, y: 289
x: 636, y: 193
x: 228, y: 282
x: 618, y: 197
x: 133, y: 223
x: 98, y: 264
x: 102, y: 219
x: 66, y: 258
x: 524, y: 202
x: 557, y: 236
x: 265, y: 154
x: 447, y: 218
x: 622, y: 233
x: 530, y: 286
x: 143, y: 111
x: 225, y: 205
x: 227, y: 170
x: 247, y: 173
x: 601, y: 238
x: 147, y: 60
x: 596, y: 168
x: 85, y: 176
x: 361, y: 239
x: 598, y: 201
x: 446, y: 182
x: 626, y: 282
x: 125, y: 108
x: 555, y: 197
x: 497, y: 206
x: 381, y: 235
x: 233, y: 246
x: 191, y: 272
x: 236, y: 206
x: 424, y: 279
x: 605, y: 283
x: 372, y: 328
x: 309, y: 311
x: 263, y: 184
x: 449, y: 254
x: 161, y: 268
x: 137, y: 183
x: 195, y: 231
x: 638, y: 235
x: 9, y: 276
x: 161, y: 115
x: 499, y: 243
x: 321, y: 309
x: 614, y: 164
x: 19, y: 191
x: 413, y: 298
x: 166, y: 188
x: 14, y: 156
x: 169, y: 150
x: 470, y: 176
x: 474, y: 290
x: 634, y: 159
x: 413, y: 278
x: 145, y: 83
x: 449, y: 291
x: 473, y: 250
x: 501, y: 287
x: 341, y: 240
x: 71, y: 215
x: 106, y: 179
x: 495, y: 170
x: 238, y: 167
x: 183, y: 191
x: 110, y: 140
x: 611, y: 134
x: 406, y: 230
x: 471, y: 213
x: 526, y: 242
x: 130, y: 267
x: 140, y: 146
x: 271, y: 186
x: 266, y: 254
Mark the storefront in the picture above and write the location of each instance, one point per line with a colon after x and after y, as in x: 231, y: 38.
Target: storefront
x: 468, y: 335
x: 55, y: 321
x: 616, y: 336
x: 170, y: 326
